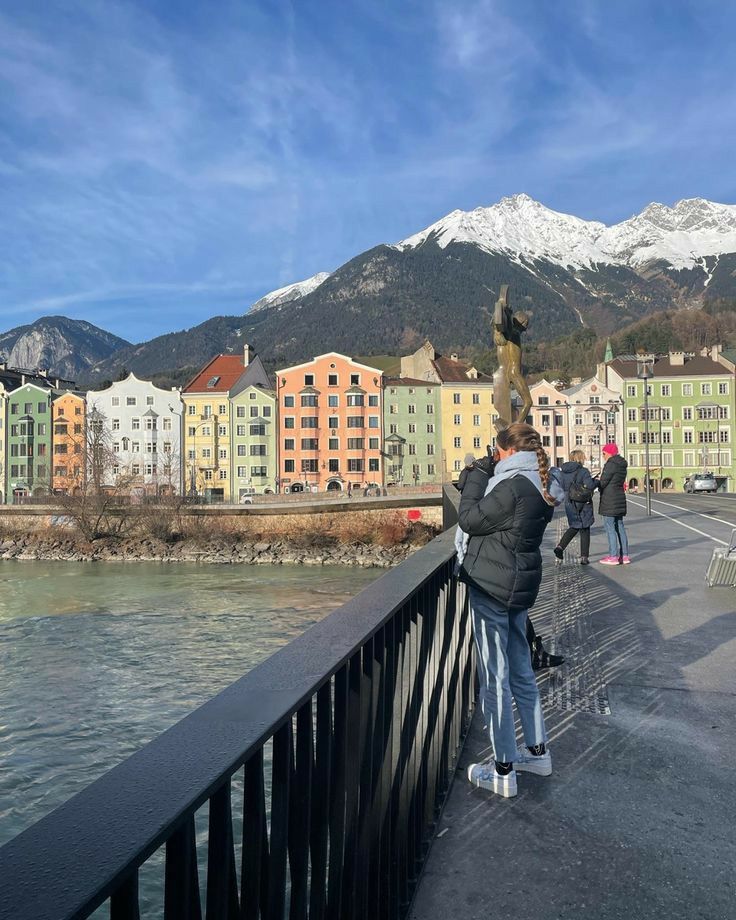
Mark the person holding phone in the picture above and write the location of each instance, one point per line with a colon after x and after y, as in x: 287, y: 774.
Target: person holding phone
x: 505, y: 516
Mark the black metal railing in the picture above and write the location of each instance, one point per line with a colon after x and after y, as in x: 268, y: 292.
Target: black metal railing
x: 342, y: 745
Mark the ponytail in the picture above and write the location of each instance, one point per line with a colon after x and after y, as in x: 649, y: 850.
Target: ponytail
x: 521, y: 436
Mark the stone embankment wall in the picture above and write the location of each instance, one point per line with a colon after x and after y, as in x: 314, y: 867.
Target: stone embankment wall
x: 364, y: 538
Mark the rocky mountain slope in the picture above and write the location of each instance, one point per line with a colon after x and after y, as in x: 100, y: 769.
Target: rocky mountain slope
x: 67, y: 347
x: 442, y: 282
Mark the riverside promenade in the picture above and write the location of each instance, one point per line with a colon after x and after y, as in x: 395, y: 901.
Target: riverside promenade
x: 637, y: 820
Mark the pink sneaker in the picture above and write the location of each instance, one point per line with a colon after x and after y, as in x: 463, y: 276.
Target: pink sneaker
x: 609, y: 560
x: 627, y: 560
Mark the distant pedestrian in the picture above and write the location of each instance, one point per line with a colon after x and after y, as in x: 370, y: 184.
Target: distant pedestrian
x: 579, y: 487
x: 503, y: 517
x: 613, y: 506
x: 463, y: 477
x: 350, y: 490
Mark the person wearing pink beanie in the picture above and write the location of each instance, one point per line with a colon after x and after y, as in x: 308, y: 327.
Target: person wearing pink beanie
x: 612, y: 506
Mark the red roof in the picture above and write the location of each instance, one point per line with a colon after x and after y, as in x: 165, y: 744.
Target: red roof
x: 456, y: 372
x: 226, y: 368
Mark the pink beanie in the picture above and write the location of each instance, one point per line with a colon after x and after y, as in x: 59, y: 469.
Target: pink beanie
x: 610, y: 449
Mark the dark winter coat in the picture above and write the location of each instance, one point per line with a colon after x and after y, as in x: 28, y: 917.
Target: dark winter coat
x: 578, y: 515
x: 611, y: 486
x: 506, y: 529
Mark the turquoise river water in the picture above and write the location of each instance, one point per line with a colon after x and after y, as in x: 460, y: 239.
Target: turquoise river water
x: 98, y: 659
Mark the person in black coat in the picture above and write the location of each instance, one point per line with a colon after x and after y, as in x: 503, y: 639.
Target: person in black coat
x: 612, y: 506
x: 579, y: 510
x: 504, y: 520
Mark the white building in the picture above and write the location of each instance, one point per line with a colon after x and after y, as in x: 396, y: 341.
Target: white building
x: 142, y: 428
x: 595, y: 414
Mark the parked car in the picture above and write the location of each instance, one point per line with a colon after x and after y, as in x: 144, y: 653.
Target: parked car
x: 701, y: 482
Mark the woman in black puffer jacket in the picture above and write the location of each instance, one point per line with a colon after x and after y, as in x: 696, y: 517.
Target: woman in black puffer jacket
x: 505, y: 518
x: 613, y: 506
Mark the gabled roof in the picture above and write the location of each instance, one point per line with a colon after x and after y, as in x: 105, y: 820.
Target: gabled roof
x: 408, y: 382
x: 450, y: 371
x: 222, y: 372
x: 694, y: 366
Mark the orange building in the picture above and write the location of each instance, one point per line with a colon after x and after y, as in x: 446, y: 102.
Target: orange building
x: 329, y: 425
x: 68, y: 442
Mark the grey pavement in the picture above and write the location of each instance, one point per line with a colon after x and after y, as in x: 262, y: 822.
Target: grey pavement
x: 638, y: 818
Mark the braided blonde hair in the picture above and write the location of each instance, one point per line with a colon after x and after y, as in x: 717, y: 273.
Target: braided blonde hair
x: 520, y: 436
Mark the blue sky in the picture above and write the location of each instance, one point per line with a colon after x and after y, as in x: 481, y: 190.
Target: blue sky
x: 163, y: 162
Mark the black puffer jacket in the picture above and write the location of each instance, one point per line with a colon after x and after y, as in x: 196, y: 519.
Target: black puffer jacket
x: 611, y: 485
x: 578, y: 514
x: 506, y: 529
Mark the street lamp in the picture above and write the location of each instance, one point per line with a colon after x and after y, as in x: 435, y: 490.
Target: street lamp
x: 599, y: 431
x: 644, y: 371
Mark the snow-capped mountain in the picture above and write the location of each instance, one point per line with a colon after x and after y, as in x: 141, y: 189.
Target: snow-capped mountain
x: 290, y: 292
x: 681, y: 236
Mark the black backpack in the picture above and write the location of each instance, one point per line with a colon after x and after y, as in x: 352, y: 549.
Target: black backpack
x: 579, y: 492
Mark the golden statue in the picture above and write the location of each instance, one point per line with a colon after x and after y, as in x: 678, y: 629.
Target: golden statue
x: 507, y: 331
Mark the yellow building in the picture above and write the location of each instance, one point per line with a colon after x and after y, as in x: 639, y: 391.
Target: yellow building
x: 466, y: 405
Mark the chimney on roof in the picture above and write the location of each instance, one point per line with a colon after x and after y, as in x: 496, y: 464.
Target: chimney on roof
x: 574, y: 381
x: 453, y: 357
x: 246, y: 355
x: 715, y: 352
x: 600, y: 372
x: 43, y: 372
x: 677, y: 358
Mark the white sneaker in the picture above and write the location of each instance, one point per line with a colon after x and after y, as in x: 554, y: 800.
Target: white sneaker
x: 541, y: 764
x: 484, y: 776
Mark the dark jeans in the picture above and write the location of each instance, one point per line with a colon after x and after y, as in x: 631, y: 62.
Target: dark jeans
x: 584, y: 539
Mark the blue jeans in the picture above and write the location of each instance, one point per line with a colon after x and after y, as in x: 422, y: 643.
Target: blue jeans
x: 618, y: 542
x: 505, y: 669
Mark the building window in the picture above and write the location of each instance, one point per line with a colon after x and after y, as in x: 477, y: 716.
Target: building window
x: 240, y: 411
x: 310, y: 444
x: 309, y: 380
x: 355, y: 399
x: 392, y: 429
x: 355, y: 465
x: 544, y: 400
x: 373, y: 401
x: 222, y: 474
x: 457, y: 442
x: 430, y: 450
x: 631, y: 389
x: 724, y: 435
x: 412, y: 409
x: 476, y: 443
x: 579, y: 417
x: 258, y: 450
x: 333, y: 465
x: 222, y: 431
x: 289, y: 421
x: 356, y: 421
x: 723, y: 389
x: 456, y: 398
x: 666, y: 437
x: 372, y: 464
x: 206, y: 451
x: 332, y: 380
x: 632, y: 437
x: 309, y: 421
x: 476, y: 420
x: 355, y: 380
x: 374, y: 421
x: 430, y: 469
x: 578, y: 440
x: 355, y: 443
x: 457, y: 466
x: 457, y: 420
x: 259, y: 471
x: 309, y: 400
x: 666, y: 389
x: 393, y: 409
x: 130, y: 401
x: 705, y: 389
x: 412, y: 450
x: 289, y: 466
x: 135, y: 424
x: 288, y: 402
x: 373, y: 443
x: 687, y: 436
x: 476, y: 399
x: 288, y: 444
x: 333, y: 402
x: 333, y: 444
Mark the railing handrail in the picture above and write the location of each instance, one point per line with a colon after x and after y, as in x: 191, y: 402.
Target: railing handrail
x: 132, y: 809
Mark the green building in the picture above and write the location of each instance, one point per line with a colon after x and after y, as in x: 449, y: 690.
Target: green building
x: 691, y: 418
x: 412, y: 437
x: 253, y: 433
x: 28, y: 441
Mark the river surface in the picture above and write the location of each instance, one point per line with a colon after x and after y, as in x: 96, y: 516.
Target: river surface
x: 98, y: 659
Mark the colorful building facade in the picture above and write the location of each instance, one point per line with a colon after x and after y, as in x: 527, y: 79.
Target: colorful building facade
x: 466, y: 405
x: 595, y: 417
x: 690, y: 409
x: 135, y: 432
x: 550, y: 416
x: 28, y: 445
x: 69, y: 440
x: 330, y: 432
x: 253, y: 434
x: 411, y: 432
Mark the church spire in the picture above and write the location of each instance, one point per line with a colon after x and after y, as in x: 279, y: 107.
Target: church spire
x: 609, y: 352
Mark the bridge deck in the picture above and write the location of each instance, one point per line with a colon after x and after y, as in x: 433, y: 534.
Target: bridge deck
x: 637, y: 820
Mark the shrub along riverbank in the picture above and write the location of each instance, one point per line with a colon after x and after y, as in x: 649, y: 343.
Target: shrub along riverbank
x: 365, y: 538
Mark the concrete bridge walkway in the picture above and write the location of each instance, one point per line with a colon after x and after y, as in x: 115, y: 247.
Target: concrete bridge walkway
x: 638, y: 819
